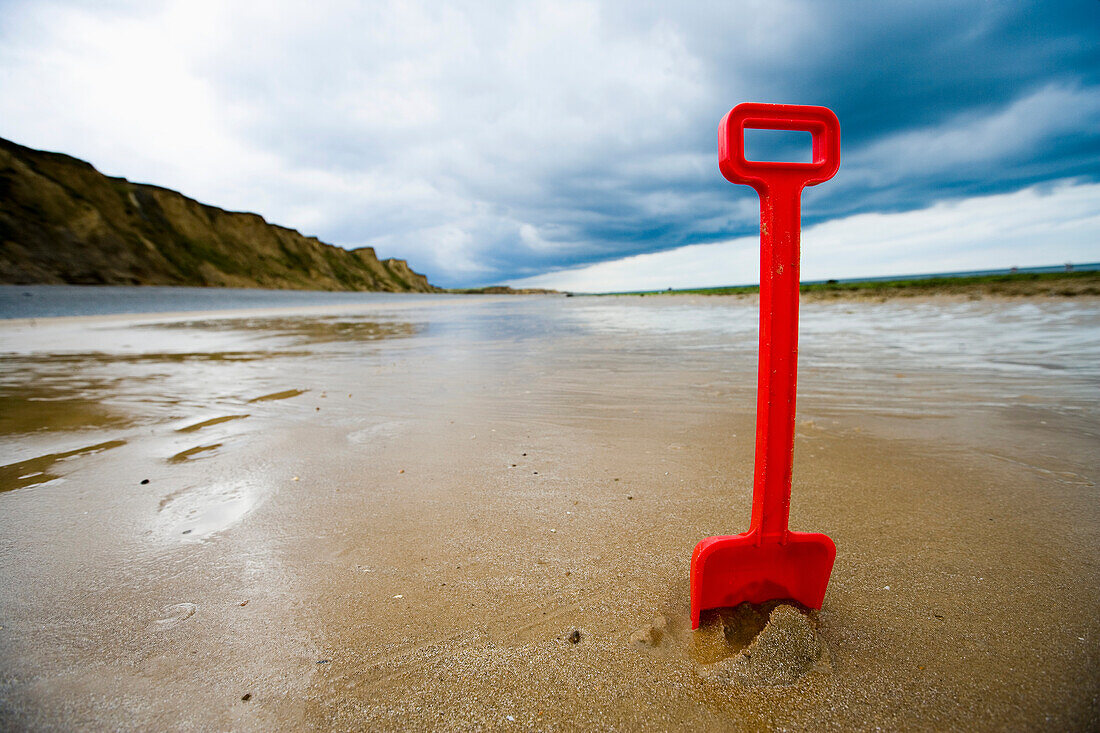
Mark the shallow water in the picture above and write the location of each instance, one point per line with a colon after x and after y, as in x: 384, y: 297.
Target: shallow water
x: 892, y: 358
x: 49, y: 301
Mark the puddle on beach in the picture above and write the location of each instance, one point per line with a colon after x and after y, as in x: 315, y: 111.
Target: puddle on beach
x: 29, y: 409
x: 39, y: 470
x: 166, y: 357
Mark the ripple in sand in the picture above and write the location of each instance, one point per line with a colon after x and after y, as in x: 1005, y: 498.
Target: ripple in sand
x: 185, y: 455
x: 201, y: 511
x: 209, y: 423
x: 377, y: 432
x: 284, y: 395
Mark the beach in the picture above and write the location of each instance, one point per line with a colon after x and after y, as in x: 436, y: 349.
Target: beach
x: 477, y: 512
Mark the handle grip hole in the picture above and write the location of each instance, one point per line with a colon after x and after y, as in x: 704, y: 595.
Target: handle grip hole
x: 778, y: 146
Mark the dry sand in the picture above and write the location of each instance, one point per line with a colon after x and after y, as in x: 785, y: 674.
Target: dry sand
x: 479, y: 516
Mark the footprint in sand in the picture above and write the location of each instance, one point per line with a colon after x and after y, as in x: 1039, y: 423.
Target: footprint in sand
x: 652, y: 635
x: 175, y: 614
x: 200, y: 511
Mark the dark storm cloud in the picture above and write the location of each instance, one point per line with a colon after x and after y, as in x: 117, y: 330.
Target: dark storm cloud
x: 937, y: 100
x: 900, y: 77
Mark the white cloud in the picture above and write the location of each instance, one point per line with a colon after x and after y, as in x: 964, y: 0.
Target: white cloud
x: 1029, y: 228
x: 396, y: 124
x: 118, y: 88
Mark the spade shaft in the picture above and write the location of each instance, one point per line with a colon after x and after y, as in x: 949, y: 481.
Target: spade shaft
x: 769, y: 561
x: 776, y: 380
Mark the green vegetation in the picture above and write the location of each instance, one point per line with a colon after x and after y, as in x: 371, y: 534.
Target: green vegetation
x: 502, y: 290
x: 1063, y: 284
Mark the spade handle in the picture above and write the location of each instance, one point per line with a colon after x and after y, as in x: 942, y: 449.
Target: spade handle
x: 780, y: 187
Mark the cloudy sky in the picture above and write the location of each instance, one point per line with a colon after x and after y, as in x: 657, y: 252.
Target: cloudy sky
x: 573, y: 144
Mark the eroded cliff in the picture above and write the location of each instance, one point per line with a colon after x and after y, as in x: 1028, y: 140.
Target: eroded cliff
x: 62, y: 221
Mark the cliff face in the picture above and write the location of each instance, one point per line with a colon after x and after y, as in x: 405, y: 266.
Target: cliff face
x: 62, y: 221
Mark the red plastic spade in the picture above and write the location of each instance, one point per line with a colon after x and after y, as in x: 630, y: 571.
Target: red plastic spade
x: 769, y: 561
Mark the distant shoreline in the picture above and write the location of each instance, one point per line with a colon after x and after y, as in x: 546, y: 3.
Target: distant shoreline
x: 1018, y: 284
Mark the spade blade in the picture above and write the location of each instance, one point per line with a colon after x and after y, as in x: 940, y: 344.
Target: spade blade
x: 726, y: 571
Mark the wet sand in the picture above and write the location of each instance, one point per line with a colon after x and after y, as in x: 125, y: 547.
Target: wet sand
x: 480, y: 515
